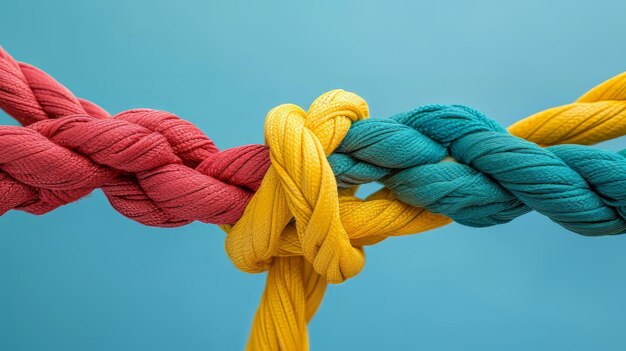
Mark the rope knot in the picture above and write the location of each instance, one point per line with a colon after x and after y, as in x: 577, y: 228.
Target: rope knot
x: 297, y: 205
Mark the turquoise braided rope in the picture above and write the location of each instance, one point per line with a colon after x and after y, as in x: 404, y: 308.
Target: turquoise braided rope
x: 496, y: 177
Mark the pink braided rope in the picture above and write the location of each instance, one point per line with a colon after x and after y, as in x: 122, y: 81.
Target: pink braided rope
x: 153, y: 166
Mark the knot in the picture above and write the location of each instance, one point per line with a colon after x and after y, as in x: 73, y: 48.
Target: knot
x: 299, y: 191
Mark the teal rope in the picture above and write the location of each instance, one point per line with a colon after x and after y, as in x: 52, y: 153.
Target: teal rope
x: 497, y: 176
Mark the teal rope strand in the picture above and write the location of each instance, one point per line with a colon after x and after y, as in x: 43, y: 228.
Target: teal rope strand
x: 497, y: 176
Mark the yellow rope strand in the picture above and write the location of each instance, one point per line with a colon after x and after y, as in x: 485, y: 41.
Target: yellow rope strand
x: 597, y: 116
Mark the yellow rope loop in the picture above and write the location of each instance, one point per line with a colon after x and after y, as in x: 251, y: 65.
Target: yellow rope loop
x: 597, y: 116
x: 300, y: 184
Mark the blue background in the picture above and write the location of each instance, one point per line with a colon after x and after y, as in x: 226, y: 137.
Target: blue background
x: 85, y: 278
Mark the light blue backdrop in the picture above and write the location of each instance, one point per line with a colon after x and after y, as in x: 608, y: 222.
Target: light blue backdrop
x: 86, y: 278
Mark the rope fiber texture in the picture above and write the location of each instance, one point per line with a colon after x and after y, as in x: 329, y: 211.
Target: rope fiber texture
x: 289, y: 206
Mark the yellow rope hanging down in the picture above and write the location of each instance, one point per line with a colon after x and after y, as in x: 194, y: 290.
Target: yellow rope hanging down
x: 307, y: 233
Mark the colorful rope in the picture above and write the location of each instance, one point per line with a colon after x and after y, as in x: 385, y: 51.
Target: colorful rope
x: 289, y: 207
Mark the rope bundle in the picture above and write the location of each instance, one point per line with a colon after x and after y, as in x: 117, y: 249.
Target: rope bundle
x: 289, y: 207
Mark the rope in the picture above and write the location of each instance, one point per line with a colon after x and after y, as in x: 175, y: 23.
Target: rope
x: 289, y: 207
x: 498, y: 177
x: 598, y: 115
x: 153, y: 167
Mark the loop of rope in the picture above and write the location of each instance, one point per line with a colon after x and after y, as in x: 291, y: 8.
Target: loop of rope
x: 290, y: 217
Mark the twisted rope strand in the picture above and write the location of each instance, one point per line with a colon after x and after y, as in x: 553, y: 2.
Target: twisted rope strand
x: 153, y: 167
x: 498, y: 177
x: 598, y: 115
x: 147, y: 162
x: 30, y: 95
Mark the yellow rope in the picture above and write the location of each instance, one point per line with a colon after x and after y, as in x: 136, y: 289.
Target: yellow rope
x: 597, y: 116
x: 306, y: 233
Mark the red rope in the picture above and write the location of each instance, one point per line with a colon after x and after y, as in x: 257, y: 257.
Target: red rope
x: 153, y: 166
